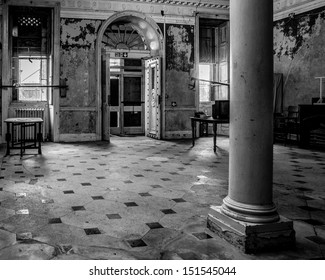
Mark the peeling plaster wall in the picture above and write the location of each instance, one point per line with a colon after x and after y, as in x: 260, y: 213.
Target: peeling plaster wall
x: 78, y: 69
x: 1, y: 73
x: 179, y: 62
x: 300, y: 55
x: 79, y: 122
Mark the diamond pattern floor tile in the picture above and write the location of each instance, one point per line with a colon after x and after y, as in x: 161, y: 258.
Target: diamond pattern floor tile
x: 68, y: 192
x: 130, y: 204
x: 78, y: 208
x: 156, y: 186
x: 113, y: 216
x: 128, y: 182
x: 92, y: 231
x: 178, y: 200
x: 55, y: 221
x: 134, y: 243
x: 154, y: 225
x: 202, y: 235
x: 165, y: 179
x: 168, y: 211
x: 145, y: 194
x: 98, y: 197
x: 304, y: 189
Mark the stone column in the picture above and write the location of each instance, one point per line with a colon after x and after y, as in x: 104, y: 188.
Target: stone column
x: 249, y: 207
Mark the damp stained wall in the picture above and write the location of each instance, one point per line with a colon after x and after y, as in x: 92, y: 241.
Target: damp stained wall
x: 300, y: 55
x: 78, y: 72
x: 179, y: 63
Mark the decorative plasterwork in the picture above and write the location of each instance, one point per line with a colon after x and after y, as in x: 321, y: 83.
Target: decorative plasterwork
x: 282, y: 8
x: 172, y: 9
x: 195, y: 3
x: 162, y: 10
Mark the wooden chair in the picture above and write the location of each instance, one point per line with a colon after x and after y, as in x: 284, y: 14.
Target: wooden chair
x: 292, y: 124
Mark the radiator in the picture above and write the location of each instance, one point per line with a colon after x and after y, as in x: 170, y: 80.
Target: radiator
x: 29, y: 113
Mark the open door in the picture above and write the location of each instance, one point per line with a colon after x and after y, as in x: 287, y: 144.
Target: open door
x: 153, y: 98
x: 105, y: 96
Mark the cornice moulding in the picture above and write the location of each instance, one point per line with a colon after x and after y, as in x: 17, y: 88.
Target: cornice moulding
x: 282, y: 8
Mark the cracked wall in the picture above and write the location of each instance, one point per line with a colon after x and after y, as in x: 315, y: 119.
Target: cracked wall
x: 78, y: 70
x: 299, y: 54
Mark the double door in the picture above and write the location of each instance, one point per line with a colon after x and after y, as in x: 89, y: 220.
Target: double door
x: 131, y: 97
x: 126, y: 104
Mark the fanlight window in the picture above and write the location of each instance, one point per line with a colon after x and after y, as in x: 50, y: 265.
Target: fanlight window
x: 123, y: 36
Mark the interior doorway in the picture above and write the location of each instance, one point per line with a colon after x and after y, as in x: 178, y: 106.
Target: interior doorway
x: 125, y: 89
x: 127, y: 41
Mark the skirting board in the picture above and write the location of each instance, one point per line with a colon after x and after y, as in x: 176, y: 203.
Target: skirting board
x: 78, y: 137
x: 182, y: 134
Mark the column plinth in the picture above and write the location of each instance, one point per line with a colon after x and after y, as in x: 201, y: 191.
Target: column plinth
x: 251, y: 237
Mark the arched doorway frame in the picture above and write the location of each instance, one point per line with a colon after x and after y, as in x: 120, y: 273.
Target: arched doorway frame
x: 161, y: 53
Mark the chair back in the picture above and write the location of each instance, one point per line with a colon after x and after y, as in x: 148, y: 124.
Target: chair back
x: 293, y: 112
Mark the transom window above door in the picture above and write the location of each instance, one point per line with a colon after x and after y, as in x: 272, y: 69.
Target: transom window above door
x: 123, y: 36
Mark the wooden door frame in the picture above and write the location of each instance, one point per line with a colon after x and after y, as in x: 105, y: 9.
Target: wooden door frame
x: 100, y: 35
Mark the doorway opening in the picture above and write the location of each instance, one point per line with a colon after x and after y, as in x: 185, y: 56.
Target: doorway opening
x: 126, y: 95
x: 128, y: 40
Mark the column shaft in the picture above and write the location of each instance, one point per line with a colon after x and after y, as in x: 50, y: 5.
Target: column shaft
x: 251, y: 112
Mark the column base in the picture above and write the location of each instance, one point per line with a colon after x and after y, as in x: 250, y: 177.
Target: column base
x: 250, y: 237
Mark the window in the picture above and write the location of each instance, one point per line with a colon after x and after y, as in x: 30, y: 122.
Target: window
x: 31, y: 53
x: 205, y: 89
x: 123, y: 36
x: 207, y: 66
x: 32, y: 75
x: 213, y: 59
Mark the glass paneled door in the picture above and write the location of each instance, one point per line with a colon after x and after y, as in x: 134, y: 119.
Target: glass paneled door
x: 132, y: 105
x: 126, y: 108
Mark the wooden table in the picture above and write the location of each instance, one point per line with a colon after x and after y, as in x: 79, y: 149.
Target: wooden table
x: 18, y: 138
x: 207, y: 120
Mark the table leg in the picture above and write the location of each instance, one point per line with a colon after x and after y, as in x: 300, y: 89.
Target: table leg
x: 193, y: 132
x: 39, y: 138
x: 22, y: 139
x: 35, y: 135
x: 8, y: 139
x: 214, y: 136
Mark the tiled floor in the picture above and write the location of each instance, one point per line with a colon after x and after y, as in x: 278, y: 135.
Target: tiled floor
x: 139, y: 198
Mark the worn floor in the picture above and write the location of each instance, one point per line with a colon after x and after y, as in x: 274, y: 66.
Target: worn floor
x: 139, y: 198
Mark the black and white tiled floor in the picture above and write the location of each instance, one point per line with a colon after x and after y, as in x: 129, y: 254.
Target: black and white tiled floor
x: 140, y: 198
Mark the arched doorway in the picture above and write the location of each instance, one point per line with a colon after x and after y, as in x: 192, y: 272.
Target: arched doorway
x: 129, y: 50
